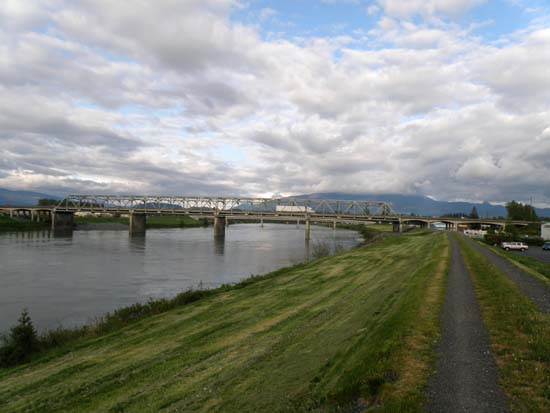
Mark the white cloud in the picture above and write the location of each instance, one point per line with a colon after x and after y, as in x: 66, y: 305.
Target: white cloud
x: 409, y: 8
x: 177, y: 97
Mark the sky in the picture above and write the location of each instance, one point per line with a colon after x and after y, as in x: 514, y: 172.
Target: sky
x: 444, y: 98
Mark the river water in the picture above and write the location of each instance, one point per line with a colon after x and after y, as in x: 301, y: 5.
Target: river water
x: 68, y: 281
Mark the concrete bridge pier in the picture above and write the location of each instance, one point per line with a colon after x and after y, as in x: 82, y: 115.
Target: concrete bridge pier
x: 62, y: 221
x: 397, y: 226
x: 262, y: 222
x: 308, y: 229
x: 219, y: 226
x: 137, y: 223
x: 297, y: 223
x: 334, y: 224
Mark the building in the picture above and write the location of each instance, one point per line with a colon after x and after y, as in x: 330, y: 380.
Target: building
x: 545, y: 231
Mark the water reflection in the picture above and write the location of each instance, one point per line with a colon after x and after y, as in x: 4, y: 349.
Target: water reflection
x: 69, y: 280
x: 137, y: 243
x: 62, y: 233
x: 219, y: 245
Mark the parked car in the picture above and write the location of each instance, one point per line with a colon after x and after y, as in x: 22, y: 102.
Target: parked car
x: 516, y: 246
x: 546, y: 246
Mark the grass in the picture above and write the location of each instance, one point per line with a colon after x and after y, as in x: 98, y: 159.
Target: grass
x: 153, y: 221
x: 542, y: 269
x: 334, y: 333
x: 520, y: 335
x: 10, y: 224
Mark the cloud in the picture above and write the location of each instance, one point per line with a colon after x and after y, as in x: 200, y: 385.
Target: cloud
x: 410, y: 8
x: 180, y: 97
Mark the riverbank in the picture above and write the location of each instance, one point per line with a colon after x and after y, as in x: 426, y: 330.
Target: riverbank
x: 332, y: 333
x: 103, y: 223
x: 11, y: 224
x: 153, y: 221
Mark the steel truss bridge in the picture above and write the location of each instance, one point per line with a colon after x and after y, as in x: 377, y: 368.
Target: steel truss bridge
x: 228, y: 206
x: 222, y: 209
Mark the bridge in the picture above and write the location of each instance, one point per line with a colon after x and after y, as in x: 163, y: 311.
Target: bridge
x: 222, y: 209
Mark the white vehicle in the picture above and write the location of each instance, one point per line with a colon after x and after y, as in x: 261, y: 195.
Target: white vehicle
x: 516, y: 246
x: 293, y: 208
x: 545, y: 231
x: 475, y: 233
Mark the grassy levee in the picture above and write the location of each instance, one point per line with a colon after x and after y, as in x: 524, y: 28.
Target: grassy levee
x: 354, y: 329
x: 537, y: 268
x: 520, y: 334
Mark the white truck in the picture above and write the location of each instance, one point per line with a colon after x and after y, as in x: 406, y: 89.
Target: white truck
x: 545, y: 231
x: 516, y: 246
x: 293, y: 208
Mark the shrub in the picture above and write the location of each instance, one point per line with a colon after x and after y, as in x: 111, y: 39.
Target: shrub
x: 20, y: 343
x: 320, y: 250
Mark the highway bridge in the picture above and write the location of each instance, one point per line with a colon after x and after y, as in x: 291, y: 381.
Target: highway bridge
x: 222, y: 209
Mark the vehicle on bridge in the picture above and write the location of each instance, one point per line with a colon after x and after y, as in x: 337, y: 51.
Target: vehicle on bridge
x: 546, y: 246
x: 293, y: 208
x: 514, y: 246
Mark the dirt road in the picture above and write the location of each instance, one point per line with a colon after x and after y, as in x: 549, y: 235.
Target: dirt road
x: 537, y: 290
x: 466, y: 374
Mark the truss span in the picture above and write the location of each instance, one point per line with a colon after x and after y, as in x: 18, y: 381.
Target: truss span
x: 224, y: 205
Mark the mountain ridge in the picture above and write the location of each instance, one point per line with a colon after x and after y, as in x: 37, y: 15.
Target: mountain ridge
x: 404, y: 204
x: 422, y: 205
x: 22, y: 198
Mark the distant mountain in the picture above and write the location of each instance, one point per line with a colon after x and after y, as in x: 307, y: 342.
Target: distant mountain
x: 22, y: 198
x: 421, y: 205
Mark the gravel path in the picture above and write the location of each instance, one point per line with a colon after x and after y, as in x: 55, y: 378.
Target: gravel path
x: 466, y: 375
x: 537, y: 290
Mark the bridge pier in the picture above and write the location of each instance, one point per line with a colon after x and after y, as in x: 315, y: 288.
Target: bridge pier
x: 334, y: 224
x: 137, y: 223
x: 397, y: 226
x: 62, y: 221
x: 308, y: 229
x: 262, y: 222
x: 219, y: 226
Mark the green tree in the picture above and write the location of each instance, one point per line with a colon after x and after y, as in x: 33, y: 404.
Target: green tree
x: 47, y: 202
x: 474, y: 214
x: 520, y: 212
x: 20, y: 343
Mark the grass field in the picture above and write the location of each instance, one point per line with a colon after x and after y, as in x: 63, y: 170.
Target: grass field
x: 354, y: 329
x: 520, y: 335
x: 540, y: 268
x: 10, y: 224
x: 153, y: 221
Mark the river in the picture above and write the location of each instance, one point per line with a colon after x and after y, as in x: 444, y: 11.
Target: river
x: 68, y: 281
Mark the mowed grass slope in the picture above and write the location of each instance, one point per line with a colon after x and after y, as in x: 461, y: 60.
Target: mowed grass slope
x: 520, y: 334
x: 356, y: 329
